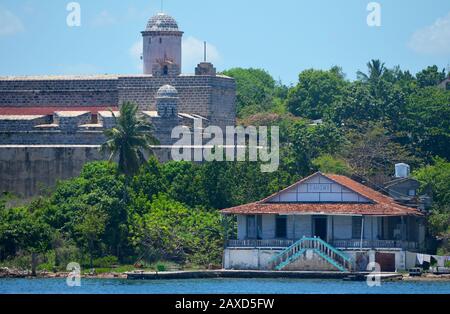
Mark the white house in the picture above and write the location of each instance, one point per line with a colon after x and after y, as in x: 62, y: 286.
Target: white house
x: 325, y: 222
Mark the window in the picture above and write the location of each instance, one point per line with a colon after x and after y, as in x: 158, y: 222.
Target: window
x: 412, y: 192
x: 150, y: 40
x: 281, y: 227
x: 160, y: 40
x: 251, y: 227
x: 94, y: 118
x: 356, y: 227
x: 165, y: 70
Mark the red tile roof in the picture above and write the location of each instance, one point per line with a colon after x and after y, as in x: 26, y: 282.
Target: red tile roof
x: 381, y: 205
x: 31, y: 111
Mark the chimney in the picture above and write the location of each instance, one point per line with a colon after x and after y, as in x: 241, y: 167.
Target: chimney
x: 402, y: 170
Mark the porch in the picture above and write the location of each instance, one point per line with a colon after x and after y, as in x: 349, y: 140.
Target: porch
x: 341, y: 232
x: 339, y: 244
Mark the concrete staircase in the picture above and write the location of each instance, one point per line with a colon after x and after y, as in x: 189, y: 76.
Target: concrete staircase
x: 339, y: 260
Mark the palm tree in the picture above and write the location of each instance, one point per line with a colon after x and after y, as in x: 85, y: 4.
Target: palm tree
x: 128, y: 139
x: 376, y: 69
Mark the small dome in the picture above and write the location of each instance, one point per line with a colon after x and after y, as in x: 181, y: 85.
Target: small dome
x: 167, y: 91
x: 162, y: 22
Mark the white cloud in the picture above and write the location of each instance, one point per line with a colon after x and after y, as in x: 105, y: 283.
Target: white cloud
x: 193, y: 53
x: 433, y: 39
x: 135, y: 53
x: 9, y: 23
x: 103, y: 19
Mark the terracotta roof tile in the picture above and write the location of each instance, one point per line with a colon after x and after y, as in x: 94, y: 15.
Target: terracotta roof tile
x: 382, y: 205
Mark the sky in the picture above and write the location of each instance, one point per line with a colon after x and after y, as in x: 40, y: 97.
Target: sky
x: 283, y: 37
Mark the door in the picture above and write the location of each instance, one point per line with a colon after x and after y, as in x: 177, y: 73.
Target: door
x: 386, y: 261
x: 251, y: 227
x: 320, y: 227
x: 281, y: 227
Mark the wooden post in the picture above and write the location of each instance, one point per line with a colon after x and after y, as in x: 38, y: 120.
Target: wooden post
x: 362, y: 233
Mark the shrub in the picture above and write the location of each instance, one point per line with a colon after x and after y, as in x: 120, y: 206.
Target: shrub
x: 106, y: 262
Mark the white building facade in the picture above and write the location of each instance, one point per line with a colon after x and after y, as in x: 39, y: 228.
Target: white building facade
x: 324, y: 222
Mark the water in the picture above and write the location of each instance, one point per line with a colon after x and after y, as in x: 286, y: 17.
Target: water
x: 219, y: 286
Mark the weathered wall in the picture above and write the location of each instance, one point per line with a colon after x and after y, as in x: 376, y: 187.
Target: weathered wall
x: 59, y: 91
x: 25, y: 170
x: 210, y: 96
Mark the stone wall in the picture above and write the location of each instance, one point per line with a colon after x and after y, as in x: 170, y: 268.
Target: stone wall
x: 212, y: 97
x: 26, y: 170
x: 59, y: 91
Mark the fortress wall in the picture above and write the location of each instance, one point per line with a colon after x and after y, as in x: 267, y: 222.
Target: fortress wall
x: 58, y: 92
x: 52, y: 138
x: 222, y: 110
x: 210, y: 96
x: 25, y: 170
x: 20, y: 124
x: 196, y: 93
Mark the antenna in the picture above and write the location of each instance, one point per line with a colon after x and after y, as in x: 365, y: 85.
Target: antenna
x: 204, y: 51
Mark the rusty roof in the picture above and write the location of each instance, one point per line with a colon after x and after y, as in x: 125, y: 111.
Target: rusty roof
x: 381, y: 205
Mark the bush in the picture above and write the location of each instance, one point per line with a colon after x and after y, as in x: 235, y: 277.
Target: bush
x: 160, y: 267
x: 106, y: 262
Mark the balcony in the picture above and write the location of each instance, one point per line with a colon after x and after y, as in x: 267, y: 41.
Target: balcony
x: 275, y: 244
x: 339, y: 244
x: 374, y: 244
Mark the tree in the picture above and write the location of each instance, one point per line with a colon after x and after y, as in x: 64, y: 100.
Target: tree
x: 90, y: 228
x: 376, y: 69
x: 426, y: 123
x: 329, y: 164
x: 316, y: 91
x: 21, y: 229
x: 128, y: 139
x: 255, y: 90
x: 373, y: 153
x: 430, y: 76
x: 436, y: 179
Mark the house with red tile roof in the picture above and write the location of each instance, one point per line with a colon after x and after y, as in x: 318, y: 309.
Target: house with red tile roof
x: 325, y: 222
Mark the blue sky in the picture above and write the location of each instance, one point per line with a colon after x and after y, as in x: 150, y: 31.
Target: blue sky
x: 281, y: 36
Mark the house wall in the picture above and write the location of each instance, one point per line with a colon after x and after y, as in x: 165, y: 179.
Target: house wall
x: 298, y: 226
x: 319, y: 189
x: 248, y: 259
x: 258, y: 259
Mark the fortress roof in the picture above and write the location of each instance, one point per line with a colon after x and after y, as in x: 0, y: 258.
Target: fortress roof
x: 162, y: 22
x: 59, y: 77
x: 33, y: 111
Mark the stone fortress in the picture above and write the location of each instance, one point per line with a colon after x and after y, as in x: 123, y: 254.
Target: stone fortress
x: 51, y: 125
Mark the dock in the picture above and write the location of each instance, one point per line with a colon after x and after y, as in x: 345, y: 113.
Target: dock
x: 240, y: 274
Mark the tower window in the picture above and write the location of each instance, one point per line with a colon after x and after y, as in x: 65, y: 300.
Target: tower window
x: 160, y: 40
x: 165, y: 70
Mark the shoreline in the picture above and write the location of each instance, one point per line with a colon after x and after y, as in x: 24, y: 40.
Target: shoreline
x: 230, y: 274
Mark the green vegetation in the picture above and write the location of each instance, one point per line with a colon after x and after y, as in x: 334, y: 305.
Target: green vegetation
x: 136, y: 213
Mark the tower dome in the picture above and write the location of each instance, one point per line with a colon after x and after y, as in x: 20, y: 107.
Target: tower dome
x: 162, y: 46
x: 162, y: 22
x: 167, y: 91
x: 167, y: 102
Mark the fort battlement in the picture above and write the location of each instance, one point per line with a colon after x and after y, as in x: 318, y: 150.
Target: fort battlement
x: 63, y: 118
